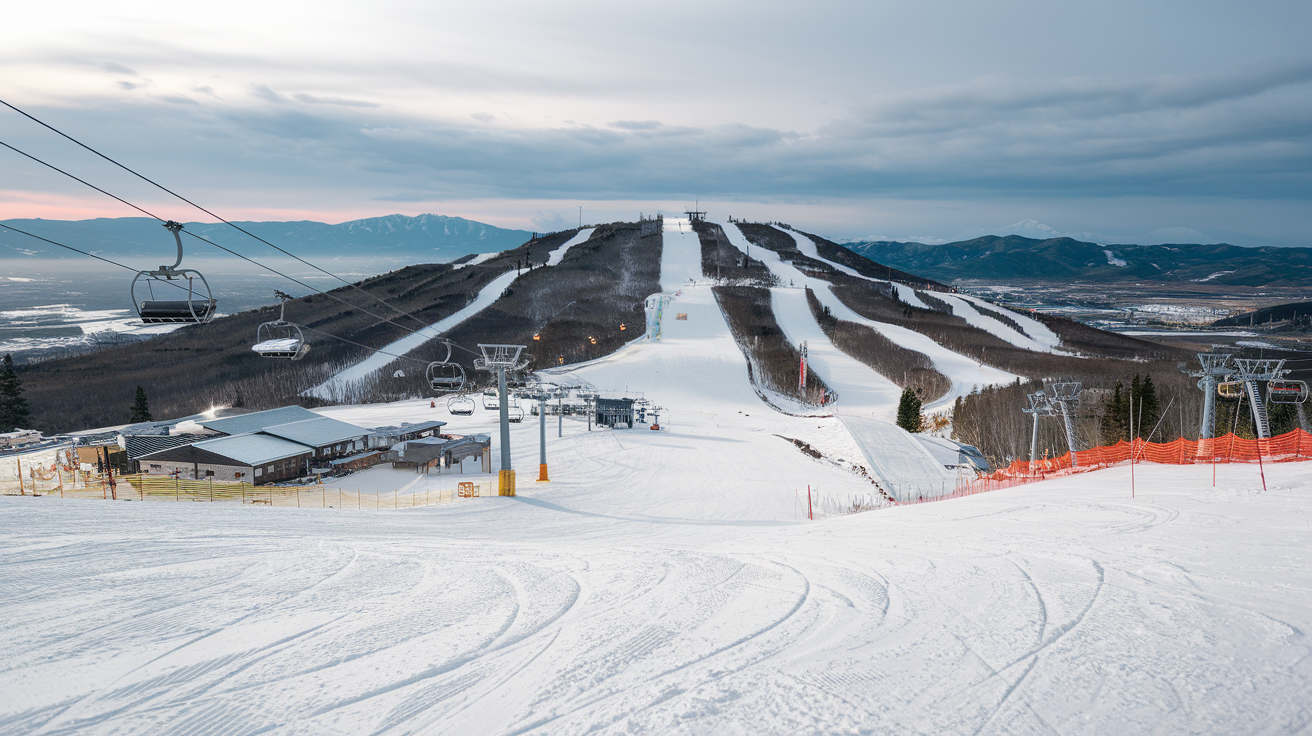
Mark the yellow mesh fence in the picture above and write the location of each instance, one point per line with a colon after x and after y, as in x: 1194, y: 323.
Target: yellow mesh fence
x: 162, y: 488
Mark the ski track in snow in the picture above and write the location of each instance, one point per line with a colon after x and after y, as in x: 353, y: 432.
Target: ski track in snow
x: 1051, y: 607
x: 965, y: 373
x: 1041, y: 338
x: 358, y: 372
x: 558, y: 254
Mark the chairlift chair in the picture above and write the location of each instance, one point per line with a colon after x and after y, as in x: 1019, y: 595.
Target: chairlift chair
x: 445, y: 377
x: 460, y: 406
x: 1286, y: 392
x: 515, y: 414
x: 491, y: 400
x: 280, y: 338
x: 197, y: 308
x: 1230, y: 389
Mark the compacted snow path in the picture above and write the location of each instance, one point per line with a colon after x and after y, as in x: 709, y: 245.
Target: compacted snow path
x: 358, y: 372
x: 1040, y: 337
x: 681, y: 255
x: 867, y: 404
x: 966, y: 310
x: 964, y: 372
x: 558, y: 254
x: 1060, y: 607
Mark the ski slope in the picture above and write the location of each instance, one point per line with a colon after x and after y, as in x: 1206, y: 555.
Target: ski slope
x: 345, y: 379
x: 966, y: 310
x: 1064, y: 606
x: 681, y: 255
x: 558, y: 254
x: 965, y: 373
x: 1038, y: 336
x: 867, y: 405
x: 1037, y: 331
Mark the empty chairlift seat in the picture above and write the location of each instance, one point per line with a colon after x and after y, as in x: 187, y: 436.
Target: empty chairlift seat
x: 159, y: 312
x: 199, y: 306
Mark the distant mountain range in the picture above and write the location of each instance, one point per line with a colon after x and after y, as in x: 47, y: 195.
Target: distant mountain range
x: 428, y: 238
x: 1013, y: 257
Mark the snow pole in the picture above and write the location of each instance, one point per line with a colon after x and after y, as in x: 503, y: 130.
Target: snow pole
x: 810, y: 514
x: 1132, y: 457
x: 1260, y: 469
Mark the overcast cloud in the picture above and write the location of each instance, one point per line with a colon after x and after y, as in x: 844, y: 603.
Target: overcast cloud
x: 852, y: 119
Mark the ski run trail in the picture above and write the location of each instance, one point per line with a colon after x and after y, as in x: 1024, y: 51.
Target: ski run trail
x: 342, y: 381
x: 671, y: 582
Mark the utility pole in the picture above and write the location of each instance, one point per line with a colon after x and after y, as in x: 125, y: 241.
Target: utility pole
x: 501, y: 358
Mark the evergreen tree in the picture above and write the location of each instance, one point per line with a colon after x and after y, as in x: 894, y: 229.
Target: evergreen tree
x: 14, y: 413
x: 1146, y: 409
x: 908, y: 411
x: 140, y: 408
x: 1115, y: 425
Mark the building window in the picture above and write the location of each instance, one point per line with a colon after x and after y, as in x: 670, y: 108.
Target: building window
x: 259, y: 472
x: 153, y: 466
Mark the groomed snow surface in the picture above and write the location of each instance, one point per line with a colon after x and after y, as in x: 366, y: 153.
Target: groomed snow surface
x: 1060, y: 607
x: 670, y: 582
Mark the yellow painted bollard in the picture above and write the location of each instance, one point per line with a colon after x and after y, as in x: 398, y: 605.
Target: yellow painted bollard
x: 542, y: 473
x: 506, y: 483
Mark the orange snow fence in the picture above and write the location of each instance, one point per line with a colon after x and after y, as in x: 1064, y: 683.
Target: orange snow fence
x: 1288, y: 447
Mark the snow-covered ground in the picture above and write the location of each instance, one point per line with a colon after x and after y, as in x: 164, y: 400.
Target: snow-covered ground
x: 558, y: 254
x: 965, y: 373
x: 1063, y: 606
x: 670, y: 582
x: 343, y: 380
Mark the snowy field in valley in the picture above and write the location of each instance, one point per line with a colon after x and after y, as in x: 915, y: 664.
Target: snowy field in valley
x: 1063, y: 606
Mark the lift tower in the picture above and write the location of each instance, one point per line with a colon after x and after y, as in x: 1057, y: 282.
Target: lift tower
x: 502, y: 358
x: 1215, y: 369
x: 1065, y: 395
x: 1039, y: 407
x: 1249, y: 372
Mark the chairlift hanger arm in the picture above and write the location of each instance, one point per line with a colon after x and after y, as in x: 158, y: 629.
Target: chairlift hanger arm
x: 83, y: 252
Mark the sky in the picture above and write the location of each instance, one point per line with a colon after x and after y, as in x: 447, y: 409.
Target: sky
x: 1117, y: 121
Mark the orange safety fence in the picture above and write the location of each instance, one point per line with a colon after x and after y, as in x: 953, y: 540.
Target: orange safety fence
x: 1288, y: 447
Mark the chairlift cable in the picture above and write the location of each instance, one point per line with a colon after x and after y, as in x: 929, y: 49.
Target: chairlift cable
x: 83, y: 252
x: 202, y: 209
x: 129, y: 268
x: 216, y: 245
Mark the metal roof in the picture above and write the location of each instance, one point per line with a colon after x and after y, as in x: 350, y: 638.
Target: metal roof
x: 352, y: 458
x: 256, y: 421
x: 406, y: 428
x: 317, y: 432
x: 138, y: 445
x: 254, y: 449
